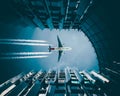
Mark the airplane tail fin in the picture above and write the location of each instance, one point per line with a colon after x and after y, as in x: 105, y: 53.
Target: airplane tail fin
x: 49, y: 48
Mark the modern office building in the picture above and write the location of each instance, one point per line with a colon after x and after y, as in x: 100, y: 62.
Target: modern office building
x: 98, y: 19
x: 66, y: 82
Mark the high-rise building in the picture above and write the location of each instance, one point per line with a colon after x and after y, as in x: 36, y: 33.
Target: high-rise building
x: 66, y: 82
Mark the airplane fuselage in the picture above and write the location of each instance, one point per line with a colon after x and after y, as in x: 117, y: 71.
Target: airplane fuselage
x: 61, y: 49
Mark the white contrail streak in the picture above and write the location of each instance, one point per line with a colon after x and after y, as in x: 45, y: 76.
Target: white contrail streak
x: 22, y: 40
x: 23, y: 57
x: 26, y: 53
x: 27, y: 44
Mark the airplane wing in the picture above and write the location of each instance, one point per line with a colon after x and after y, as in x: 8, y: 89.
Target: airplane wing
x: 59, y: 42
x: 59, y: 56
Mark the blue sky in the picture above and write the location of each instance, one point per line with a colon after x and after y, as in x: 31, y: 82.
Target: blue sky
x: 82, y: 55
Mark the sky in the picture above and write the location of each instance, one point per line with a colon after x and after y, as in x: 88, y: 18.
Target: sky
x: 82, y: 55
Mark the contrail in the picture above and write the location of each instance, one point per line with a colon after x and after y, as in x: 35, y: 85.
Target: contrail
x: 29, y: 44
x: 23, y: 57
x: 25, y: 53
x: 22, y: 40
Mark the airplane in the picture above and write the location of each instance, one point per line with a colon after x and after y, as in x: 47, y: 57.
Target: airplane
x: 60, y: 48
